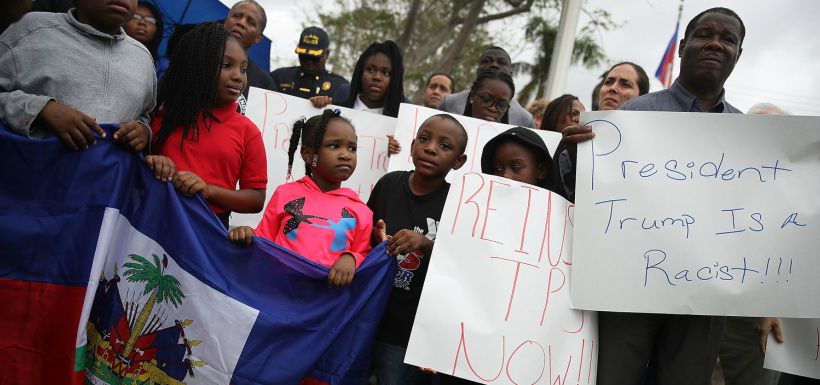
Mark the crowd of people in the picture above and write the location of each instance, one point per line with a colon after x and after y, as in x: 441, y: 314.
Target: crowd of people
x: 99, y: 62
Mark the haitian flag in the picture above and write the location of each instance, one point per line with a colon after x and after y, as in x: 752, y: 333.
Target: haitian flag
x: 664, y: 71
x: 107, y: 276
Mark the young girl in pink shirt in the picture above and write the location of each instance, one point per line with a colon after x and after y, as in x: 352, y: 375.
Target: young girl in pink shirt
x: 315, y: 216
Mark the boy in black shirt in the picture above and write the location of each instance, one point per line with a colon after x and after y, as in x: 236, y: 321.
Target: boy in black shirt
x: 410, y: 203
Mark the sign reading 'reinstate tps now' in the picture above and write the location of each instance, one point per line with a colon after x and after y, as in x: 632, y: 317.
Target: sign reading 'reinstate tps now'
x: 698, y: 214
x: 495, y: 304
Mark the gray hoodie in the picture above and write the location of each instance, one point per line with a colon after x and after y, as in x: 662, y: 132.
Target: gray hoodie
x: 52, y: 56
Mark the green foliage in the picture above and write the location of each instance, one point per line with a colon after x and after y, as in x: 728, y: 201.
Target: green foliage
x: 354, y: 24
x: 359, y: 23
x: 167, y: 287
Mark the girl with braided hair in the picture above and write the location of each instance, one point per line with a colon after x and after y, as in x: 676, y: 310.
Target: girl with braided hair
x: 201, y: 144
x: 377, y: 85
x: 314, y: 216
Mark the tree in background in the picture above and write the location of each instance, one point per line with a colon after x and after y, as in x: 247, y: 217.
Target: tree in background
x: 541, y: 31
x: 446, y: 36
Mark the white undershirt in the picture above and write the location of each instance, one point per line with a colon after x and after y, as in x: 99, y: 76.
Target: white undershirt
x: 360, y: 106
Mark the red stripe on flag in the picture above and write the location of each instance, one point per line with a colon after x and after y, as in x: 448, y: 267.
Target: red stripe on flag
x: 38, y: 332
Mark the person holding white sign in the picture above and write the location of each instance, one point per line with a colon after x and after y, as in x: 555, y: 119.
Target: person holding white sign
x: 410, y: 203
x: 623, y: 82
x: 490, y: 96
x: 663, y: 348
x: 376, y: 86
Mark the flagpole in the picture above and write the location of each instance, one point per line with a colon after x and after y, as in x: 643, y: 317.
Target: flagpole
x: 677, y: 25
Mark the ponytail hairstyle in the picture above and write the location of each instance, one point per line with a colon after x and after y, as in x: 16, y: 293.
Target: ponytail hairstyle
x: 187, y: 93
x: 555, y: 109
x: 395, y: 91
x: 312, y: 132
x: 487, y: 74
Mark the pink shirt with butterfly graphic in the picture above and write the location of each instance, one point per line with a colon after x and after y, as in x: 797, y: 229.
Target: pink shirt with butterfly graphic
x: 318, y: 225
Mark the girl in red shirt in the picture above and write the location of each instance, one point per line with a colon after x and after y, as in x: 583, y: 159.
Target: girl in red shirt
x: 201, y: 144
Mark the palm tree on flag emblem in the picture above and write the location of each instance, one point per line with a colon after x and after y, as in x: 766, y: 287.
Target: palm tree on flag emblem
x: 163, y: 288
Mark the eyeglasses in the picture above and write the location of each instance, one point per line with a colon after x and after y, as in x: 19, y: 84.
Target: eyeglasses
x: 488, y: 101
x: 147, y: 19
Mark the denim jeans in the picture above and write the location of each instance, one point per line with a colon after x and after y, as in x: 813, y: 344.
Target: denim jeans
x: 391, y: 370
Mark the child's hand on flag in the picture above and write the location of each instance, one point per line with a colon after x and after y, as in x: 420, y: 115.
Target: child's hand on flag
x: 341, y: 274
x: 132, y: 135
x: 163, y: 166
x: 242, y: 235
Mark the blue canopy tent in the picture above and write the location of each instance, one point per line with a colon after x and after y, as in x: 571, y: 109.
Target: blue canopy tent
x: 184, y: 12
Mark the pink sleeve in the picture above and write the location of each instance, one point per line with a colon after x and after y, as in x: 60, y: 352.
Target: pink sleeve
x: 272, y: 218
x: 360, y: 246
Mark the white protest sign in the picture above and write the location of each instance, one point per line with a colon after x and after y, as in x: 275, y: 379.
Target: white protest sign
x: 274, y: 113
x: 800, y: 351
x: 687, y: 213
x: 479, y: 132
x: 495, y: 303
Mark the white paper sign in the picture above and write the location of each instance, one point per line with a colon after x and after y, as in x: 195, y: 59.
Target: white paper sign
x: 479, y: 132
x: 687, y: 213
x: 800, y: 351
x: 274, y: 113
x: 495, y: 303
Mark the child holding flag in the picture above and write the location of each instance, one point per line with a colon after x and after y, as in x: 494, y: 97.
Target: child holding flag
x: 314, y: 216
x: 198, y: 130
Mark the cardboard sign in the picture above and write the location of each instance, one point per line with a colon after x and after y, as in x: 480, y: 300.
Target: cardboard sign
x: 495, y: 303
x: 274, y: 113
x: 800, y: 351
x: 687, y: 213
x: 479, y: 132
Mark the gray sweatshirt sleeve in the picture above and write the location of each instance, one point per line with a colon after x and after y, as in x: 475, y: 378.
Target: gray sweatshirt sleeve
x: 17, y: 108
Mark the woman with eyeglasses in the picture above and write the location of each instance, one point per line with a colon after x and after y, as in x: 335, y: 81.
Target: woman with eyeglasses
x: 146, y: 27
x: 490, y: 96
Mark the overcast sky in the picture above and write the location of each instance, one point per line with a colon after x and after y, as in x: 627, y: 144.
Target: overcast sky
x: 779, y: 64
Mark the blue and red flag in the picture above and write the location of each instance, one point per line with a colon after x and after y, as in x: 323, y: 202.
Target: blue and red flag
x: 108, y: 276
x: 664, y: 71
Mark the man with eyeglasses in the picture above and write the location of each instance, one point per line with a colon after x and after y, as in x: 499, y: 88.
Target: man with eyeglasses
x: 310, y: 78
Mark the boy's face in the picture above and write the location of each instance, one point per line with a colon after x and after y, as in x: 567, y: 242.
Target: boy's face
x: 438, y: 148
x: 106, y: 15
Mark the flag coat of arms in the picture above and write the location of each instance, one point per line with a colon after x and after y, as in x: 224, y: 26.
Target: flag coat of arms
x: 107, y: 276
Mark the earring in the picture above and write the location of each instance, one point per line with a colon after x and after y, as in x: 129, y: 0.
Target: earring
x: 315, y: 159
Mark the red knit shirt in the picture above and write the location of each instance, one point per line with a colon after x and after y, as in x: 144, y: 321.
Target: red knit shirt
x: 232, y: 151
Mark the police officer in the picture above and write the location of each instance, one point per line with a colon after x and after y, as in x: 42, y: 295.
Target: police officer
x: 311, y: 78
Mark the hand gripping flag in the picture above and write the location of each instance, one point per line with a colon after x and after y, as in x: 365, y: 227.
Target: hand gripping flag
x: 107, y: 276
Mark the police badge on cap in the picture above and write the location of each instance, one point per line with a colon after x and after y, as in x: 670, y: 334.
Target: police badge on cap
x: 313, y: 41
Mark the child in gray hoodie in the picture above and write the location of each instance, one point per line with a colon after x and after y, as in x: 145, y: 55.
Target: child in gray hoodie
x: 64, y: 73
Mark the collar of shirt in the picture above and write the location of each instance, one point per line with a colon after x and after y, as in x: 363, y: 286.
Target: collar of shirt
x: 91, y: 30
x: 690, y: 103
x: 360, y: 106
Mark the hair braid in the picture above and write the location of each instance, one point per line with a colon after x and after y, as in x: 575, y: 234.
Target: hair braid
x: 311, y: 132
x: 187, y: 93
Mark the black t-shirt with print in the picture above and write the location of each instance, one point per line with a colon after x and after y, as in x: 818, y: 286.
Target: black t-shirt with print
x: 392, y: 201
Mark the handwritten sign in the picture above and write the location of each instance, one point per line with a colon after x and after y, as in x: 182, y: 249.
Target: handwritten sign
x: 495, y: 303
x: 274, y: 113
x: 698, y: 214
x: 800, y: 351
x: 479, y: 132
